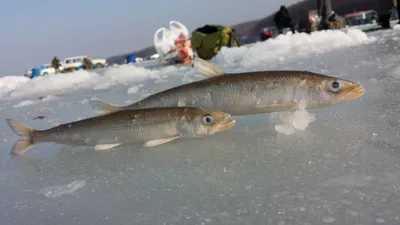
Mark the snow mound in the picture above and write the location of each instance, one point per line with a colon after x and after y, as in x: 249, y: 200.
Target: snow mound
x: 279, y: 49
x: 290, y: 46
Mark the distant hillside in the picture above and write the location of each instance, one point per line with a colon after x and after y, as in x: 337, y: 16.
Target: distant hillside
x: 252, y: 28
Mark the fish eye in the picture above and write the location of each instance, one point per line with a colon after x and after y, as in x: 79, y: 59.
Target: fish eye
x: 334, y: 86
x: 207, y: 119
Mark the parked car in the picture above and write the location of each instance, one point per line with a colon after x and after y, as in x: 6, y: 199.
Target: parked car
x: 361, y: 18
x: 77, y: 63
x: 44, y: 69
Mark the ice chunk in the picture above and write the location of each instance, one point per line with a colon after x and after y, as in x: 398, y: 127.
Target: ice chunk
x: 58, y: 190
x: 24, y: 103
x: 298, y: 120
x: 133, y: 90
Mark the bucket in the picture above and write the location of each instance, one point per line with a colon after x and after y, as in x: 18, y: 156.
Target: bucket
x: 35, y: 72
x: 131, y: 58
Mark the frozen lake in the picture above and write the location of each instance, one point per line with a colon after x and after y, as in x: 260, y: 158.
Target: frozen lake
x: 343, y: 169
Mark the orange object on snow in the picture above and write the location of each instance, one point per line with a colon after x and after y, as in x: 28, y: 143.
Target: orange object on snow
x: 183, y: 49
x: 173, y: 44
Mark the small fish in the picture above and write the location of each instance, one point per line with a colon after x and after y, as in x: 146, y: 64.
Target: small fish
x: 249, y: 93
x: 151, y: 127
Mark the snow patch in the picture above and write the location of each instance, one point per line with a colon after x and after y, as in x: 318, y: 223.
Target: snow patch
x: 24, y: 103
x: 134, y: 89
x: 284, y: 47
x: 59, y: 190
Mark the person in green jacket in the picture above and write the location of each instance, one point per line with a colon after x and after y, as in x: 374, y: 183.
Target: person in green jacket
x: 209, y: 39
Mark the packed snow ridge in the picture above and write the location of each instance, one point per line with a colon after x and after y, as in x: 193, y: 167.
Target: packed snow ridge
x: 244, y: 58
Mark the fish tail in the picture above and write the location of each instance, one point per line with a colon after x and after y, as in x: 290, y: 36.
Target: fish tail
x: 102, y: 108
x: 26, y: 142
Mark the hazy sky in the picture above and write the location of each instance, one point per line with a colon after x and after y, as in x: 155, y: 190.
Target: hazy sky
x: 32, y: 32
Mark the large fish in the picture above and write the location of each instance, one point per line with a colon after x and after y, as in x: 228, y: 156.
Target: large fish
x: 250, y: 92
x: 152, y: 127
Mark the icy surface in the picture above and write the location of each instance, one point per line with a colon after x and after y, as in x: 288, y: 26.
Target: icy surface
x: 343, y: 168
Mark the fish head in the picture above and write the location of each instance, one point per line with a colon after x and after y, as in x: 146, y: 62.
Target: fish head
x: 208, y: 122
x: 332, y: 91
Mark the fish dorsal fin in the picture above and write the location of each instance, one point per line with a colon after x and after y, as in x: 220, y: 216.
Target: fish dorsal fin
x: 207, y: 69
x: 161, y: 141
x: 102, y: 108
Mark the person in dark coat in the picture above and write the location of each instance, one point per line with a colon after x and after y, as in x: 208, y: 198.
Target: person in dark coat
x: 384, y: 10
x: 397, y: 5
x: 324, y: 8
x: 282, y: 20
x: 55, y: 63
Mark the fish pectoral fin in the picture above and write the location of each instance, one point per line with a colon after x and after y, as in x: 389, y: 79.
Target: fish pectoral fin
x: 207, y: 69
x: 106, y: 146
x: 102, y: 108
x: 277, y: 106
x: 156, y: 142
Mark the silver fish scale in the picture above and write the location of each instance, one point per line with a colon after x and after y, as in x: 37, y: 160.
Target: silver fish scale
x: 112, y: 131
x: 233, y: 96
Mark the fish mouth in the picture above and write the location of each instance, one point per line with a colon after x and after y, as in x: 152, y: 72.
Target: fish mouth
x: 357, y: 91
x: 225, y: 125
